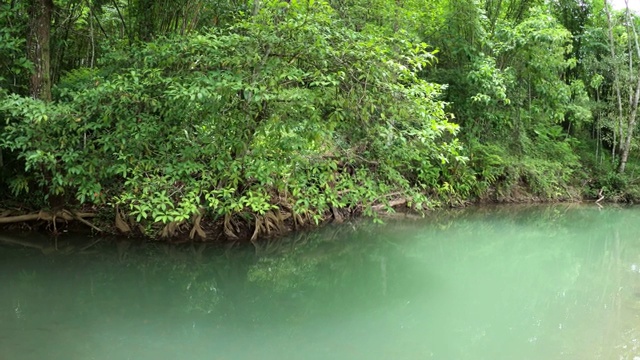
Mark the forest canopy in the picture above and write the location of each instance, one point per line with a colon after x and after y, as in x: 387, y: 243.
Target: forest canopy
x: 270, y: 114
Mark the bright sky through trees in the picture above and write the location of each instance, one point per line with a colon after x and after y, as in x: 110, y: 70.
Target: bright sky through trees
x: 620, y: 4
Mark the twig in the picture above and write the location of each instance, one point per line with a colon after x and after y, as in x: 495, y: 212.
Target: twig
x: 600, y: 196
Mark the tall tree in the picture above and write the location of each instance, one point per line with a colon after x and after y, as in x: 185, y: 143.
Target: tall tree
x: 634, y: 95
x: 616, y: 80
x: 39, y: 47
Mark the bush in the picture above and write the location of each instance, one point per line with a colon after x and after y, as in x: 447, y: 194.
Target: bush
x: 282, y: 112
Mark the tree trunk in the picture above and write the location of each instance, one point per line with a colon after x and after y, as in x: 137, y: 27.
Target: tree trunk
x: 631, y: 122
x: 631, y: 125
x: 39, y: 48
x: 616, y: 81
x: 146, y: 20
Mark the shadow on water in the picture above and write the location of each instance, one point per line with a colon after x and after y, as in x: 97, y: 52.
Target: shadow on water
x: 530, y: 282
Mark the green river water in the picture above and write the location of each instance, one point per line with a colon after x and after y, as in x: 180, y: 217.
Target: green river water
x: 509, y: 282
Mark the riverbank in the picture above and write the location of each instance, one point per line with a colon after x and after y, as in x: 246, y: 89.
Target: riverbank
x: 106, y: 221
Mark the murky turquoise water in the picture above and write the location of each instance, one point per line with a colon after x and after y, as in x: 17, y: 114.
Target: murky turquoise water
x: 543, y: 282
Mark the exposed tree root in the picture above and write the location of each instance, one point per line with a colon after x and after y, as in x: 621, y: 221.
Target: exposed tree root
x: 197, y: 228
x: 229, y: 228
x: 53, y: 217
x: 87, y: 223
x: 121, y: 225
x: 275, y: 222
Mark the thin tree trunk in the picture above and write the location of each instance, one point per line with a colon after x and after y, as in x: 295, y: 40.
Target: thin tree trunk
x: 595, y: 131
x: 39, y: 48
x: 633, y: 28
x: 92, y: 38
x: 616, y: 79
x: 631, y: 122
x: 125, y: 29
x: 631, y: 125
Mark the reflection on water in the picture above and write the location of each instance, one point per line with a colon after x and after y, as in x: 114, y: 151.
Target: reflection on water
x: 542, y: 282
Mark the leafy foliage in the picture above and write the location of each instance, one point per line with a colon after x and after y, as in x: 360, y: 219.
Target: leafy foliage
x: 283, y: 111
x: 256, y: 112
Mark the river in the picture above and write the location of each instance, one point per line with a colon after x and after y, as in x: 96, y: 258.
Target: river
x: 504, y: 282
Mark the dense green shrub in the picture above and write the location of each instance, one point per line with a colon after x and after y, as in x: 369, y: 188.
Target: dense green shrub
x: 283, y: 111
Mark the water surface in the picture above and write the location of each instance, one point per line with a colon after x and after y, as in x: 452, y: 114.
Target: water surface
x: 535, y: 282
